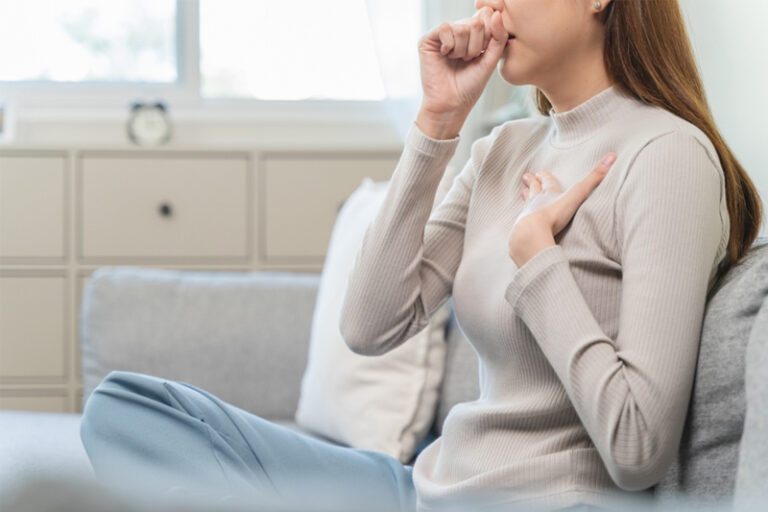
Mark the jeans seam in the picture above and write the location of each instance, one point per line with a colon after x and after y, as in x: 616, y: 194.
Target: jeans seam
x: 206, y: 428
x: 226, y: 413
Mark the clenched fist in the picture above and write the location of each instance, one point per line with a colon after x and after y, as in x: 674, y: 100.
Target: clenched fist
x: 457, y: 60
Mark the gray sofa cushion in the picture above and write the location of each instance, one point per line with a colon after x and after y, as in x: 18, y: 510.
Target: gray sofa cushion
x: 243, y: 336
x: 706, y: 464
x: 40, y: 444
x: 752, y: 474
x: 461, y: 381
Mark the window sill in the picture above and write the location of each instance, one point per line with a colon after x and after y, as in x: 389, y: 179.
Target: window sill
x: 209, y: 134
x: 216, y: 124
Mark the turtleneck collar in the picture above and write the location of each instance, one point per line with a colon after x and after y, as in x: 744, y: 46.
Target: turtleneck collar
x: 586, y: 119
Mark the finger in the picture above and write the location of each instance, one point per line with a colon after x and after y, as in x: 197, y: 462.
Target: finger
x: 485, y: 14
x: 461, y: 38
x: 475, y: 44
x: 498, y: 32
x: 446, y: 38
x: 598, y: 173
x: 579, y: 192
x: 525, y: 194
x: 497, y: 42
x: 548, y: 182
x: 535, y: 186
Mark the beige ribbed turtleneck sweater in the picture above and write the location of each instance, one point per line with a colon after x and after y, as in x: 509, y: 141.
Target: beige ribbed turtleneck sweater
x: 587, y: 352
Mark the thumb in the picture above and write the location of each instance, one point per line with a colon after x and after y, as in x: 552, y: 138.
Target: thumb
x: 498, y: 41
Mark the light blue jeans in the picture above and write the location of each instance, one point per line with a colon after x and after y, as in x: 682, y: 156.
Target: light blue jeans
x: 152, y: 435
x: 149, y: 434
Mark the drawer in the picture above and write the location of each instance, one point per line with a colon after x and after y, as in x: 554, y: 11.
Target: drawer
x: 301, y: 196
x: 33, y: 329
x: 32, y: 209
x: 164, y: 206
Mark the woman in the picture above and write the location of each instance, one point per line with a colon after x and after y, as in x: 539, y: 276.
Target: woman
x: 580, y: 283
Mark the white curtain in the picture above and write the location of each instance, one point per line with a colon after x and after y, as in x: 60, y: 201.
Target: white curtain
x: 396, y: 27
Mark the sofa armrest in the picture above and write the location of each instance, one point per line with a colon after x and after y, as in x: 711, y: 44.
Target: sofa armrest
x: 752, y: 473
x: 243, y: 336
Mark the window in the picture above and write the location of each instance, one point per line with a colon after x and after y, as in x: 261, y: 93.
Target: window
x: 198, y: 50
x: 82, y: 41
x: 288, y: 50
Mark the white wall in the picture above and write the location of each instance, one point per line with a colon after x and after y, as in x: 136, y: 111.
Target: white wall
x: 730, y: 43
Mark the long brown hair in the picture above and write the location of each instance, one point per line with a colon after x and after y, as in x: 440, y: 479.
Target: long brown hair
x: 648, y: 55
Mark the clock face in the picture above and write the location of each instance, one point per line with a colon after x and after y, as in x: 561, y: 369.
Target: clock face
x: 149, y: 125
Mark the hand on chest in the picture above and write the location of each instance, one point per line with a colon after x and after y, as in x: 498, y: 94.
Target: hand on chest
x: 575, y: 199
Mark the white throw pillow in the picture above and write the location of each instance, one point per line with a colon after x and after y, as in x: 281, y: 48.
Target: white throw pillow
x: 385, y: 403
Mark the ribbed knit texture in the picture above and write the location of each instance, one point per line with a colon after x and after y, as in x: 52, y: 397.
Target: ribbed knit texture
x: 588, y: 351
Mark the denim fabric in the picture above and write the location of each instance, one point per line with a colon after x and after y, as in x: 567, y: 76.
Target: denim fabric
x: 151, y: 435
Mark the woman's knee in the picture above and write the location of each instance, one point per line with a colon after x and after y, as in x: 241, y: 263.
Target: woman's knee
x: 111, y: 406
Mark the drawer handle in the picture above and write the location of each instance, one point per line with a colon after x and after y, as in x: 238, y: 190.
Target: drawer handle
x: 165, y: 209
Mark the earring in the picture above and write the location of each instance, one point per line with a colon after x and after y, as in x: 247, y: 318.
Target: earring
x: 598, y: 5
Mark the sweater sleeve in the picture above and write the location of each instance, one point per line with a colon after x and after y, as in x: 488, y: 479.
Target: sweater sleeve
x: 404, y: 269
x: 632, y: 393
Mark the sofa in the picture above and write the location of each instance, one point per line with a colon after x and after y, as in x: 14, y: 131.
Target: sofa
x: 244, y: 336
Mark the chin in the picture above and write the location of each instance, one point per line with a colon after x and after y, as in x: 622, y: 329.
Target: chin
x: 510, y: 76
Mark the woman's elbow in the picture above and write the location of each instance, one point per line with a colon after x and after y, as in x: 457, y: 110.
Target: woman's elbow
x: 372, y: 336
x: 360, y: 343
x: 360, y: 347
x: 641, y: 475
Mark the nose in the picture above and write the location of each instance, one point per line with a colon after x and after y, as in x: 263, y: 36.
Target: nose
x: 496, y: 5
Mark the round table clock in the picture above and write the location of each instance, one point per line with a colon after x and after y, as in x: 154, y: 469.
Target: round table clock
x: 148, y: 124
